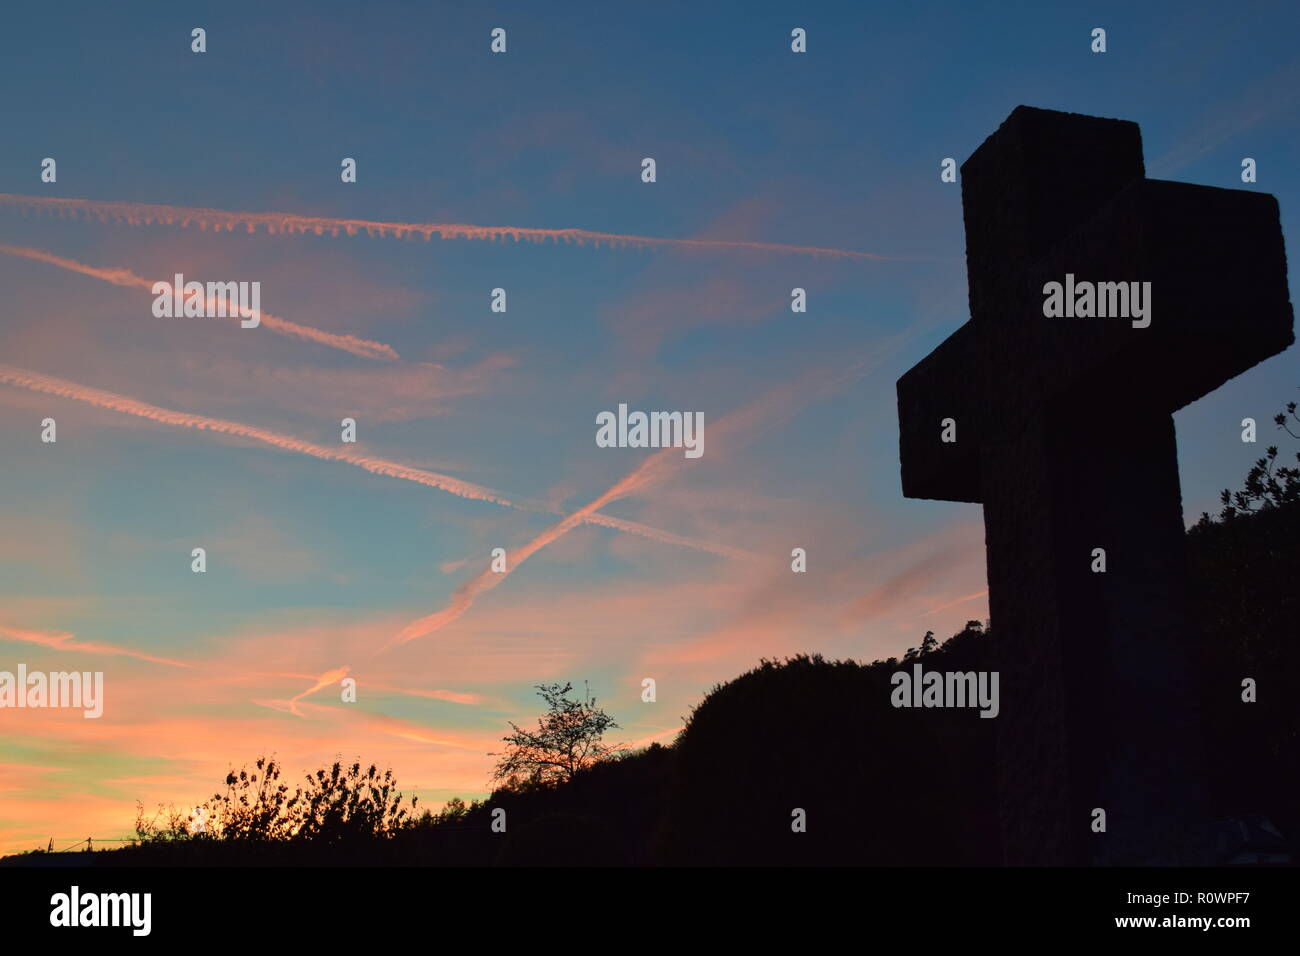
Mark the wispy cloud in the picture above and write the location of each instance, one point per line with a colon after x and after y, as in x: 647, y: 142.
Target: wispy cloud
x: 1274, y: 96
x: 448, y: 696
x: 63, y: 641
x: 329, y: 677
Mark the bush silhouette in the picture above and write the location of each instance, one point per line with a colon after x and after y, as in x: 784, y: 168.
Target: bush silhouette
x: 876, y: 783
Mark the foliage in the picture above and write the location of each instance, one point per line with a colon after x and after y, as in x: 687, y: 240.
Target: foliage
x: 167, y: 824
x: 253, y: 807
x: 1267, y: 485
x: 337, y: 804
x: 348, y: 804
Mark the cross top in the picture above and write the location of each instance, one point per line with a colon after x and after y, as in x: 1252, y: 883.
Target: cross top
x: 1062, y: 198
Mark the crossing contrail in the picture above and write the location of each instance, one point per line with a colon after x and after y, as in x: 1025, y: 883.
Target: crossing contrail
x: 463, y: 597
x: 128, y: 279
x: 279, y: 223
x: 324, y: 680
x: 39, y: 382
x: 776, y: 404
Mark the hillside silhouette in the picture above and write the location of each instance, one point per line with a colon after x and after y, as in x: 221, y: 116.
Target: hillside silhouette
x: 879, y: 785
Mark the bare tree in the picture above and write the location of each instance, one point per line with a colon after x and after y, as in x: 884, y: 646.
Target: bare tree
x: 567, y: 739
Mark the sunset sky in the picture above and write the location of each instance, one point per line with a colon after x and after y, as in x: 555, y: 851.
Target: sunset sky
x: 370, y: 560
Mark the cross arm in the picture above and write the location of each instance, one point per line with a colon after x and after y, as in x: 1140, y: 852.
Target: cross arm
x: 945, y: 384
x: 1218, y: 303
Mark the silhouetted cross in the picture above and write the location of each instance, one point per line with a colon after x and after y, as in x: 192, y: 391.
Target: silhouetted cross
x: 1063, y: 430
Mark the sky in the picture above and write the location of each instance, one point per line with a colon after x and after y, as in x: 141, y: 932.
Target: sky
x: 475, y: 429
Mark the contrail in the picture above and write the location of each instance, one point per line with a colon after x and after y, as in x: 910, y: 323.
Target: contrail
x: 63, y: 641
x: 125, y: 277
x: 324, y: 680
x: 277, y: 223
x: 665, y: 537
x: 955, y: 602
x: 648, y: 472
x: 777, y: 404
x: 464, y: 596
x: 120, y: 403
x: 380, y: 466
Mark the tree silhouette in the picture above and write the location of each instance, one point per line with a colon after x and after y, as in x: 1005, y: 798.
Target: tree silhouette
x: 1268, y: 485
x: 568, y: 739
x: 928, y: 644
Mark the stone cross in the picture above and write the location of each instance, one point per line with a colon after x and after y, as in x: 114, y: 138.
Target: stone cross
x: 1060, y: 424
